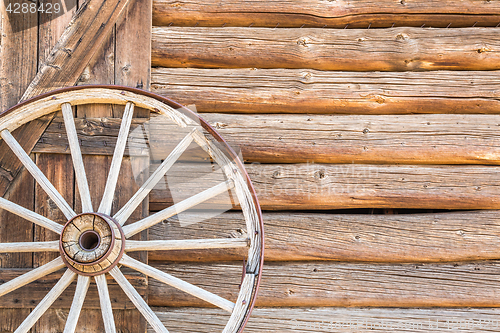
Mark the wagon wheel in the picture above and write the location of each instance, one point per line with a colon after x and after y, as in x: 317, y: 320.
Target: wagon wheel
x: 95, y: 242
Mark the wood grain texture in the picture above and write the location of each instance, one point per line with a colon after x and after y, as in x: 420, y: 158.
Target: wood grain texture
x: 300, y: 236
x: 78, y: 43
x: 18, y: 66
x: 125, y: 60
x: 15, y: 228
x: 97, y: 136
x: 54, y: 320
x: 326, y: 320
x: 334, y: 14
x: 59, y: 170
x: 391, y: 139
x: 339, y: 186
x: 30, y: 295
x: 83, y: 36
x: 362, y: 50
x: 310, y: 91
x: 133, y: 45
x: 343, y: 285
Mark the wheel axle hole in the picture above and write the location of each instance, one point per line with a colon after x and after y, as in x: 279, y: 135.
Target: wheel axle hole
x: 90, y: 240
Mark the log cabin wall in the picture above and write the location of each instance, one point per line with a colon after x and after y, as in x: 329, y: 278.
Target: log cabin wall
x: 368, y: 129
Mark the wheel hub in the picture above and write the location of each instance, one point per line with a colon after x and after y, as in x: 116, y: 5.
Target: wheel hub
x: 91, y: 244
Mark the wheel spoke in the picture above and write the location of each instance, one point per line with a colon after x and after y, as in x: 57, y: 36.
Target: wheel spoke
x: 177, y: 283
x: 31, y: 276
x: 30, y: 216
x: 76, y: 154
x: 46, y: 302
x: 138, y: 301
x: 132, y: 204
x: 29, y: 247
x: 37, y: 174
x: 106, y: 309
x: 116, y: 163
x: 150, y: 221
x: 188, y: 244
x: 82, y: 287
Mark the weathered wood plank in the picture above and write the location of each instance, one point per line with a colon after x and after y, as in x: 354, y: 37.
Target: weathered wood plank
x: 30, y: 295
x: 327, y: 186
x: 82, y: 38
x: 18, y: 66
x: 54, y: 320
x: 79, y: 42
x: 397, y: 49
x: 343, y: 237
x: 392, y: 139
x: 59, y: 170
x: 310, y: 91
x: 344, y: 285
x: 334, y: 14
x: 326, y: 320
x: 12, y: 318
x: 133, y: 47
x: 124, y: 60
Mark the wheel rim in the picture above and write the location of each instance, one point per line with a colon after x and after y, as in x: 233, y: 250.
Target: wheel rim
x: 90, y: 250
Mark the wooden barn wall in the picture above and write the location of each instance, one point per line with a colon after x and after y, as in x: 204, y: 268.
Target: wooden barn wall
x: 367, y: 128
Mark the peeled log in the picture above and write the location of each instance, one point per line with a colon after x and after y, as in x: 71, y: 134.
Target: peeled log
x: 332, y: 14
x: 290, y: 236
x: 341, y: 186
x: 361, y: 50
x: 311, y: 91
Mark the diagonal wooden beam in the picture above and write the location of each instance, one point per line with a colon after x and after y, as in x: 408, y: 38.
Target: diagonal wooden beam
x: 82, y: 38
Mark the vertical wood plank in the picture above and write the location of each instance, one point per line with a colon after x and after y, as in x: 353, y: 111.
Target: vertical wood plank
x: 133, y: 69
x: 18, y: 65
x: 59, y: 170
x: 124, y: 59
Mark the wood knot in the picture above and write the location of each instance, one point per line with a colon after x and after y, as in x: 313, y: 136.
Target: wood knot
x: 307, y: 76
x: 379, y: 99
x: 402, y: 36
x: 484, y: 49
x: 302, y: 41
x: 320, y: 174
x: 219, y: 125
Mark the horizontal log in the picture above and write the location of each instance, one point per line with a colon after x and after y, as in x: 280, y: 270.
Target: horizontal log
x: 30, y: 295
x: 397, y: 49
x: 310, y: 91
x: 392, y: 139
x: 343, y: 237
x: 341, y: 186
x: 327, y: 320
x: 344, y: 285
x: 334, y: 14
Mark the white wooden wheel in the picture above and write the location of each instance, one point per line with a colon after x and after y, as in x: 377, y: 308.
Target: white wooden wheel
x: 95, y: 241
